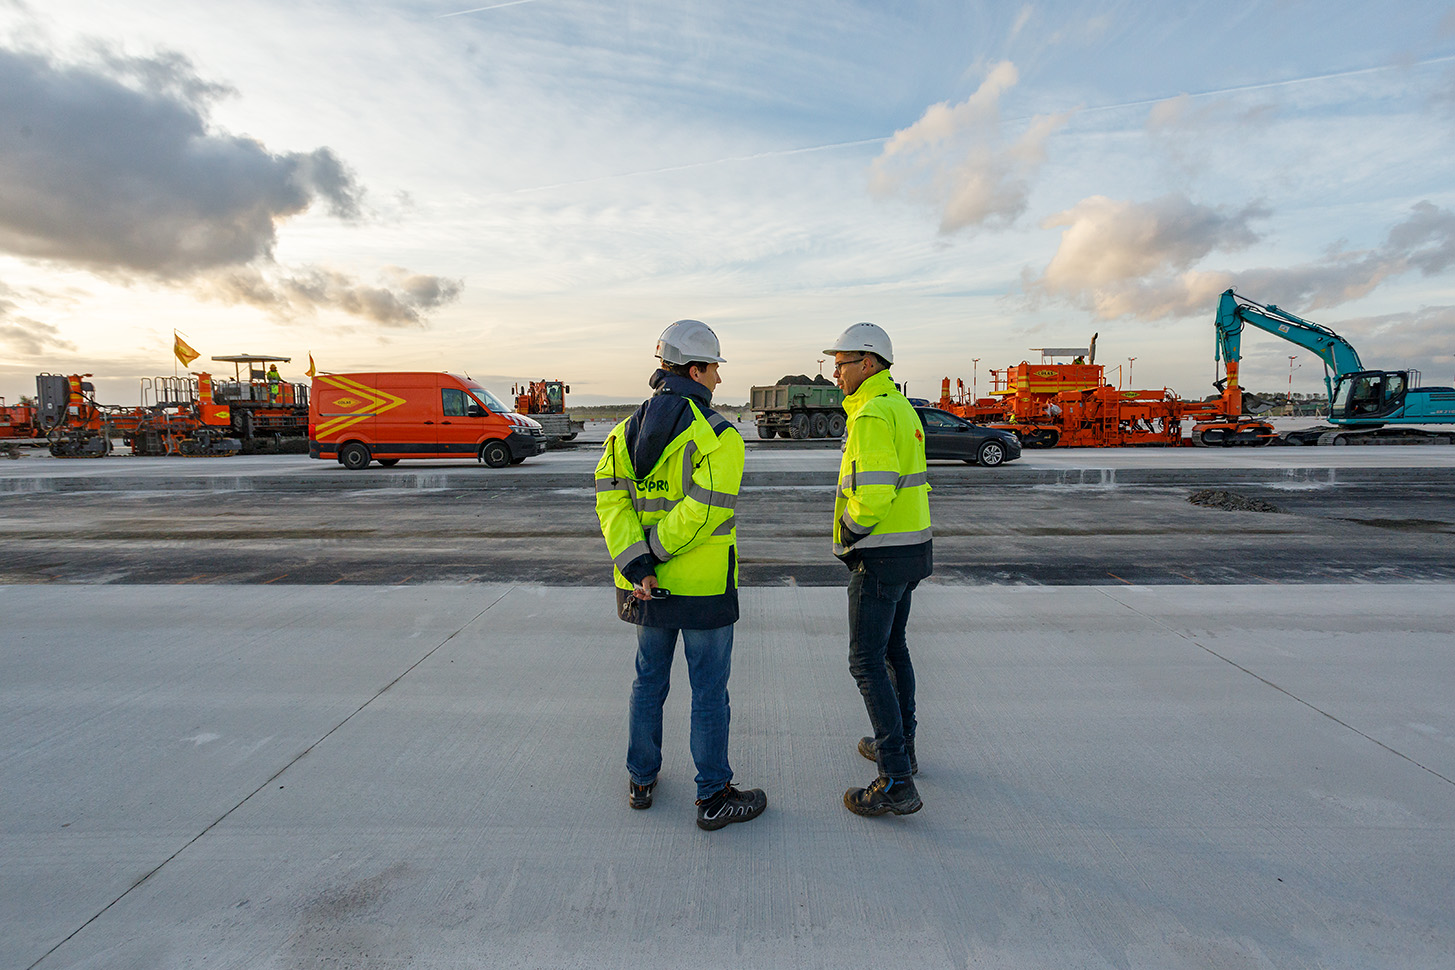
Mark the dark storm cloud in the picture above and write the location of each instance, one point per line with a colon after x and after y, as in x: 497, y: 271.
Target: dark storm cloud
x: 114, y: 167
x: 400, y: 300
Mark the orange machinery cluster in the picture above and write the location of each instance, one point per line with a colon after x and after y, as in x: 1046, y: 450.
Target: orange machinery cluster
x: 192, y: 416
x: 1050, y: 405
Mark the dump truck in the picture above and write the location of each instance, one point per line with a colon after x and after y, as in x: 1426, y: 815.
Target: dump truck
x: 799, y: 407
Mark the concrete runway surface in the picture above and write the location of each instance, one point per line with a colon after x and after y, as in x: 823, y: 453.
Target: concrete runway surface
x: 432, y: 776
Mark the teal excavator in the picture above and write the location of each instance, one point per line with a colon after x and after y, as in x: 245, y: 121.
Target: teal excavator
x: 1365, y: 406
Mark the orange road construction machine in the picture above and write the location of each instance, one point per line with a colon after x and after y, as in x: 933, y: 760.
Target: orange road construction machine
x: 17, y: 425
x: 545, y: 401
x: 178, y: 417
x: 1071, y: 405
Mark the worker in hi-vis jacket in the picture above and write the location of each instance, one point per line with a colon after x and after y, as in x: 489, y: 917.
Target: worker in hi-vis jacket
x: 882, y: 533
x: 666, y: 492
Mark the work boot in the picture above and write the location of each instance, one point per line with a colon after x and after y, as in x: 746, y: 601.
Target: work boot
x: 640, y: 796
x: 866, y: 748
x: 884, y: 795
x: 729, y: 806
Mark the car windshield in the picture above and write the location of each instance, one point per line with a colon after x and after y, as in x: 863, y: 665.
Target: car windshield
x: 491, y: 402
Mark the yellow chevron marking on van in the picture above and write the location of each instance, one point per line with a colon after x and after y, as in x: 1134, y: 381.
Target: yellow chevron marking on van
x: 372, y: 402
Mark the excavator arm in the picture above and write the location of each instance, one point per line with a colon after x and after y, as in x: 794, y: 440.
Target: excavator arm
x: 1234, y: 312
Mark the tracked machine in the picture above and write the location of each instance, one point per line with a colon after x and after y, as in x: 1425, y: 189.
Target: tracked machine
x: 545, y: 401
x: 1365, y: 406
x: 178, y: 416
x: 266, y: 416
x: 1069, y: 405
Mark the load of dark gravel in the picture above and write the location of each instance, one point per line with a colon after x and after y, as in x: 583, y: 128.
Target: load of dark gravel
x: 1214, y: 498
x: 803, y: 379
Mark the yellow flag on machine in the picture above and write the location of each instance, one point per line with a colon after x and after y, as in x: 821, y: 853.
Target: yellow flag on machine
x: 312, y: 370
x: 184, y: 353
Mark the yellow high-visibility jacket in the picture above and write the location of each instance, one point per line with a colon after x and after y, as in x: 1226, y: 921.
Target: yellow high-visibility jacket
x: 882, y: 509
x: 679, y: 514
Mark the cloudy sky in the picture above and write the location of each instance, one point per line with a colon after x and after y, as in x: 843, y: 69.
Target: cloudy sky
x: 535, y: 188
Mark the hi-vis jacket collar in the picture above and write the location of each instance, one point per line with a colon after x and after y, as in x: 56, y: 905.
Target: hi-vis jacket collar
x: 873, y: 386
x: 704, y: 437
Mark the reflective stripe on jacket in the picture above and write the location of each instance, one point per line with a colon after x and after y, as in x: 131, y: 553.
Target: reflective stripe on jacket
x: 681, y: 512
x: 884, y: 490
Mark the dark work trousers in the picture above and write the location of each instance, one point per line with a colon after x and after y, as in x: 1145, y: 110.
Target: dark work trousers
x: 879, y: 661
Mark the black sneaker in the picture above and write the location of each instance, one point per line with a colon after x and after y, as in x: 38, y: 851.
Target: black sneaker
x: 866, y: 748
x: 729, y: 806
x: 640, y: 796
x: 884, y: 795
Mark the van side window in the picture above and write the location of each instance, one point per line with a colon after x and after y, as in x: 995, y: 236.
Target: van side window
x: 453, y: 402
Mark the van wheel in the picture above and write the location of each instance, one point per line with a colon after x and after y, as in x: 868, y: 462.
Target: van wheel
x: 495, y: 454
x: 353, y: 456
x: 388, y: 462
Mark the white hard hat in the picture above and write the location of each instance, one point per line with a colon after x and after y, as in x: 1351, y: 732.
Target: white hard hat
x: 688, y: 341
x: 865, y: 338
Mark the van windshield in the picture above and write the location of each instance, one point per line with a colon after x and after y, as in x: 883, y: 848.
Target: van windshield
x: 491, y: 402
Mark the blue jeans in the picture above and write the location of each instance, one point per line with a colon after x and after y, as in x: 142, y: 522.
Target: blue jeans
x: 879, y: 661
x: 709, y: 661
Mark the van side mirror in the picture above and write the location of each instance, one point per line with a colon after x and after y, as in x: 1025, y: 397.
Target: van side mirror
x: 475, y: 411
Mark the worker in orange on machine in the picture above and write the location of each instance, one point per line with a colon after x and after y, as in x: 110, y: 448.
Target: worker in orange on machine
x: 275, y: 383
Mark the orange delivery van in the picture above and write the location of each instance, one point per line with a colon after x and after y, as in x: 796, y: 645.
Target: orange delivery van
x: 386, y: 417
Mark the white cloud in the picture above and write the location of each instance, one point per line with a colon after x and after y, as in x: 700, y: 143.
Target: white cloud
x: 1128, y: 257
x: 23, y: 336
x: 954, y: 158
x: 1138, y: 259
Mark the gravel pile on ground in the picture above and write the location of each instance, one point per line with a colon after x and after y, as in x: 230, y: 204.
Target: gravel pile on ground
x: 1214, y: 498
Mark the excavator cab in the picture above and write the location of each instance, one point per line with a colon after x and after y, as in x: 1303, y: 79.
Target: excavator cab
x: 1368, y: 395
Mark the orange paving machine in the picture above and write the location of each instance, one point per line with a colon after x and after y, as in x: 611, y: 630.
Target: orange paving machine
x: 1050, y: 404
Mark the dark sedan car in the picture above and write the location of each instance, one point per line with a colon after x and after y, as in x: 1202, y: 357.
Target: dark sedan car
x: 948, y: 436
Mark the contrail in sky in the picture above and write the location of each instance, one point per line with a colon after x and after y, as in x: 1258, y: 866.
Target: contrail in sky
x: 493, y: 6
x: 710, y: 161
x: 1288, y: 82
x: 870, y: 141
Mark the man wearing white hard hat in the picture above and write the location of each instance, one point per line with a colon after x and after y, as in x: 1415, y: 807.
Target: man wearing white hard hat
x: 882, y: 533
x: 666, y: 491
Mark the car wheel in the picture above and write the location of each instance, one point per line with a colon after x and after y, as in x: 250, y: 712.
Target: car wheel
x: 495, y: 454
x: 388, y: 462
x: 354, y: 456
x: 992, y: 453
x: 818, y: 425
x: 798, y: 427
x: 837, y: 423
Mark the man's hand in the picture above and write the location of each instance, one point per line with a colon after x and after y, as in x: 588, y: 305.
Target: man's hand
x: 644, y: 591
